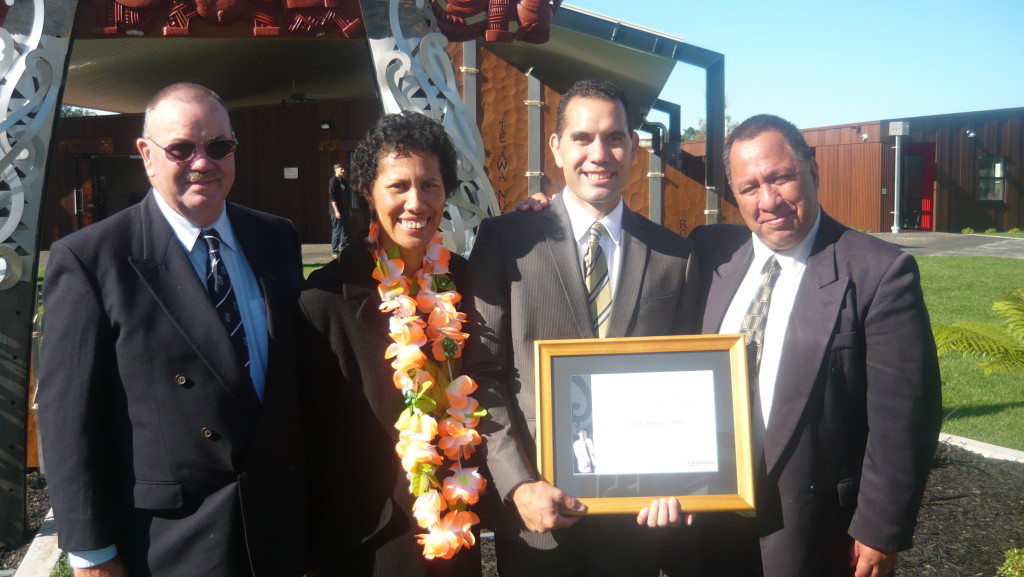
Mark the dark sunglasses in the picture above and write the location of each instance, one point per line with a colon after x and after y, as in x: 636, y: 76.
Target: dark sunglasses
x: 186, y: 151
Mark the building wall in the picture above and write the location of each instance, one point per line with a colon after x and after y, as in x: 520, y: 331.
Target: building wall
x: 856, y: 163
x: 998, y: 132
x: 270, y: 139
x: 503, y: 119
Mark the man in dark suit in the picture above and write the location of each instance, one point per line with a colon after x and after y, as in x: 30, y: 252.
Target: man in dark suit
x: 170, y: 424
x: 846, y: 387
x: 529, y: 276
x: 339, y: 199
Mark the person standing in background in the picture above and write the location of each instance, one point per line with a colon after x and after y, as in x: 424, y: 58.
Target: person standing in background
x: 339, y: 209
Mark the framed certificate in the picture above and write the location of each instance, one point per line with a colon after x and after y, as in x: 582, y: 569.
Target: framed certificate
x: 623, y: 421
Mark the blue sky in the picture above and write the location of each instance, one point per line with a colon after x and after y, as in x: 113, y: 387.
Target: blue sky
x: 827, y: 62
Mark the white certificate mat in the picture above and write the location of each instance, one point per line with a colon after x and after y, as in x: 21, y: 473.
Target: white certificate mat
x: 661, y: 422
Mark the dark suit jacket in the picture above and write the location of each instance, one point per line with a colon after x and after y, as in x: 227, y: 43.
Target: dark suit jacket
x: 364, y: 522
x: 856, y: 411
x: 527, y: 285
x: 154, y: 437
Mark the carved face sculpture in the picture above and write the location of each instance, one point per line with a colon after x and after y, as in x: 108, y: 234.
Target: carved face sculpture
x: 224, y: 11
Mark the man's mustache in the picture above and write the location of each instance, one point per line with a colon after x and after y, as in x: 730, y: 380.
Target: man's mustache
x: 197, y: 176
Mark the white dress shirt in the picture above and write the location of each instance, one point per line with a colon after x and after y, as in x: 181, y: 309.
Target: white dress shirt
x: 792, y: 262
x: 581, y: 221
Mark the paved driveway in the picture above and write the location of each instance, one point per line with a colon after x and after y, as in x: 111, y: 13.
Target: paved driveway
x: 953, y: 244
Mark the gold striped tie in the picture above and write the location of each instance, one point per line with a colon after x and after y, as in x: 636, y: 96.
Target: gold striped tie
x: 599, y: 289
x: 756, y: 319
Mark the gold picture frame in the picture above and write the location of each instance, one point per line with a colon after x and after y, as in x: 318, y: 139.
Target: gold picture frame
x: 665, y: 416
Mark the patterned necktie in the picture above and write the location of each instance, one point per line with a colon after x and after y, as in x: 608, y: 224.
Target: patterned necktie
x: 218, y: 284
x: 599, y: 289
x: 756, y: 319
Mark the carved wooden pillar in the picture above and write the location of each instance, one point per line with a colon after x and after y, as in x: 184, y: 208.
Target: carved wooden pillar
x: 415, y: 73
x: 34, y: 42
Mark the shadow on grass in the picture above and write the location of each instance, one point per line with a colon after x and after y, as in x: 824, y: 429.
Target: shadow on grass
x: 951, y: 414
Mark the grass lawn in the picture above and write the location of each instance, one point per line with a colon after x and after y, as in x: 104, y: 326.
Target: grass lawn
x: 308, y: 268
x: 987, y: 408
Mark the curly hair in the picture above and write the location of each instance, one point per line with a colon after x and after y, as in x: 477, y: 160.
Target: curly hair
x: 403, y: 132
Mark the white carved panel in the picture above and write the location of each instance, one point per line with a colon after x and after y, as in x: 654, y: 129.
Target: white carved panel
x: 415, y: 73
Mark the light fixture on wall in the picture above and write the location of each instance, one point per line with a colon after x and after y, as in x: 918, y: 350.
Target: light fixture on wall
x: 325, y: 124
x: 864, y: 137
x: 970, y: 133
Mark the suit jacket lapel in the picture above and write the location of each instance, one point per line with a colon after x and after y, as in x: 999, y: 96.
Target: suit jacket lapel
x: 633, y: 257
x: 563, y: 253
x: 725, y: 281
x: 375, y: 324
x: 808, y: 336
x: 167, y: 272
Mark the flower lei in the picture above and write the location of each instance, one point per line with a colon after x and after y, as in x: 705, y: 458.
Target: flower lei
x: 421, y: 435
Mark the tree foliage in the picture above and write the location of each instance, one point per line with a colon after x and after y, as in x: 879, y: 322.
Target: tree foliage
x: 999, y: 348
x: 67, y: 111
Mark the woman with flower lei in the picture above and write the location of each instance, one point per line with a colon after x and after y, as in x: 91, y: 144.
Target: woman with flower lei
x: 392, y: 422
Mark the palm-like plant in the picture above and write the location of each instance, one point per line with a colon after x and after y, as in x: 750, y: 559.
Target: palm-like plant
x: 1000, y: 348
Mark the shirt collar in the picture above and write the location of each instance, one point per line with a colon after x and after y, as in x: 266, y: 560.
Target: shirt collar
x: 582, y: 220
x: 187, y: 232
x: 790, y: 257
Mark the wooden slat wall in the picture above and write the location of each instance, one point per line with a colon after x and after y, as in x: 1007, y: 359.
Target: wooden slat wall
x: 849, y: 189
x: 999, y: 132
x: 503, y: 124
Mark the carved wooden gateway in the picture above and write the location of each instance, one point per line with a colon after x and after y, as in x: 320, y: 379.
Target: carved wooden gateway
x: 408, y: 42
x: 413, y: 70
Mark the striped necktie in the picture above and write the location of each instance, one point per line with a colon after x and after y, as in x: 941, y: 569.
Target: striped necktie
x: 756, y: 319
x: 218, y: 284
x: 599, y: 289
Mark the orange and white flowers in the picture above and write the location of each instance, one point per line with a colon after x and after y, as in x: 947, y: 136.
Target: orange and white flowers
x: 437, y: 428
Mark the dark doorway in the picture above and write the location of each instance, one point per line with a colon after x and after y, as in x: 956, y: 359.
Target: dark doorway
x: 917, y: 186
x: 108, y: 184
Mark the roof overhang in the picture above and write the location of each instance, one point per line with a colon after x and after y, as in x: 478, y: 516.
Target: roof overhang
x: 120, y: 74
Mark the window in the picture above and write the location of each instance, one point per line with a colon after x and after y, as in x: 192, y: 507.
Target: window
x: 992, y: 179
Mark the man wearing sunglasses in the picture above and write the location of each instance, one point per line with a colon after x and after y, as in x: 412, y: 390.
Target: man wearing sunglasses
x: 166, y: 396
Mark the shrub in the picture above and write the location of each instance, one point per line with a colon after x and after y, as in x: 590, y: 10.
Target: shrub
x: 1000, y: 349
x: 1014, y: 566
x: 1014, y: 230
x: 990, y: 230
x: 967, y: 230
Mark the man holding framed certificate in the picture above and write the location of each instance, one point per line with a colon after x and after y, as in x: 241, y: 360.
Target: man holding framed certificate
x: 587, y: 267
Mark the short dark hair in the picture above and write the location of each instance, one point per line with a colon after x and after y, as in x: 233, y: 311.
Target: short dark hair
x: 755, y: 126
x: 185, y: 92
x: 592, y: 88
x: 404, y: 132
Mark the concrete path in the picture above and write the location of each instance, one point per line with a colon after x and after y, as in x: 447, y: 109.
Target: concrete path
x: 953, y: 244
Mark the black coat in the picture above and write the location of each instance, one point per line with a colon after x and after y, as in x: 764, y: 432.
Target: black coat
x: 857, y: 406
x: 154, y: 437
x: 365, y: 524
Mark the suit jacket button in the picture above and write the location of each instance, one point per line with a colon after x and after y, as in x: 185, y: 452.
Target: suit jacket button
x: 813, y: 489
x: 244, y: 475
x: 208, y: 432
x: 181, y: 380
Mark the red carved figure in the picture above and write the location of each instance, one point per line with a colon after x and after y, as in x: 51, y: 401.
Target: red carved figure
x: 532, y: 16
